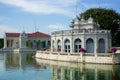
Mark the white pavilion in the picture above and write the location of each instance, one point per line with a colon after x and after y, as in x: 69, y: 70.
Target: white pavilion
x: 85, y: 34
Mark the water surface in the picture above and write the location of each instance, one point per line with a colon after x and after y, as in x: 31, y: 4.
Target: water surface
x: 21, y: 66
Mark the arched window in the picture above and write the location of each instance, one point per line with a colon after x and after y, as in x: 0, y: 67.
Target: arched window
x: 67, y: 45
x: 90, y: 45
x: 77, y: 45
x: 101, y: 46
x: 58, y: 45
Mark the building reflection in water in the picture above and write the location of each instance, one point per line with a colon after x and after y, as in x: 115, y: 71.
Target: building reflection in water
x: 79, y: 71
x: 18, y: 60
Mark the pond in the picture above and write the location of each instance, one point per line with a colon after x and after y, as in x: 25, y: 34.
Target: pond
x: 21, y: 66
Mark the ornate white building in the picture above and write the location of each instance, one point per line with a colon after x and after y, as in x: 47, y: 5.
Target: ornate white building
x: 85, y: 34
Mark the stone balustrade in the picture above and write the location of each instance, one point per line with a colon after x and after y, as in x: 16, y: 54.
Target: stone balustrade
x: 103, y: 58
x: 80, y: 31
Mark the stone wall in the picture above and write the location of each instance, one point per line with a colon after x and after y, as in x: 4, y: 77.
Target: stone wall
x: 106, y: 58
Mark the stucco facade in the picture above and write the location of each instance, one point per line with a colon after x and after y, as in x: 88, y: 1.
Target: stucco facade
x: 85, y: 34
x: 19, y: 40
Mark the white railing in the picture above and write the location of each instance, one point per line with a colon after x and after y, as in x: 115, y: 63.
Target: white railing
x: 78, y: 54
x: 80, y: 31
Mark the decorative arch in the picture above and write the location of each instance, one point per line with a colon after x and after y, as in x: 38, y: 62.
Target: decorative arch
x: 90, y: 45
x: 58, y: 45
x: 67, y: 45
x: 101, y: 45
x: 77, y: 45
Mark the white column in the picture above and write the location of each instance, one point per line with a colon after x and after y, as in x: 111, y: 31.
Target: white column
x: 63, y: 44
x: 51, y: 44
x: 106, y: 44
x: 20, y: 42
x: 71, y: 44
x: 108, y: 41
x: 5, y: 42
x: 83, y: 43
x: 95, y: 46
x: 55, y: 42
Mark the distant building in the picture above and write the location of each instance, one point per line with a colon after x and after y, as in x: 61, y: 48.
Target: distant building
x: 35, y: 40
x: 85, y: 34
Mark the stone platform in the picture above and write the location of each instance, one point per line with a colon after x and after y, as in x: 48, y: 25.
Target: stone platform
x: 101, y: 58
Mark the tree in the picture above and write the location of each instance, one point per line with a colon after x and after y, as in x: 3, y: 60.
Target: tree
x: 107, y: 18
x: 29, y: 43
x: 43, y: 44
x: 1, y: 43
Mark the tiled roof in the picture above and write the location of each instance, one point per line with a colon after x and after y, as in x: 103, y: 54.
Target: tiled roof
x: 38, y: 34
x: 31, y: 35
x: 12, y: 34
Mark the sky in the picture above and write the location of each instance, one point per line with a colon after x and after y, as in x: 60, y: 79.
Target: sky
x: 45, y: 15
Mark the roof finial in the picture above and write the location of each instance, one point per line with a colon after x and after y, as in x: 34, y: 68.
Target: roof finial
x: 82, y: 18
x: 90, y: 18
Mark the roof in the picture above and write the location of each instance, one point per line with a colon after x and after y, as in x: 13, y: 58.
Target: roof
x: 38, y: 34
x: 12, y: 34
x: 31, y: 35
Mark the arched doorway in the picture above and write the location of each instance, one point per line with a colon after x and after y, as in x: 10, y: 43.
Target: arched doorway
x: 101, y: 46
x: 58, y: 45
x: 90, y: 46
x: 67, y: 45
x: 77, y: 45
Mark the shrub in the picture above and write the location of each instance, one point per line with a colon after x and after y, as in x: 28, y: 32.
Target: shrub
x: 44, y: 49
x: 82, y: 50
x: 58, y: 49
x: 113, y: 50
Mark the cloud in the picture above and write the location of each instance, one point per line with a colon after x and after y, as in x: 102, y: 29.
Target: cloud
x: 43, y: 6
x: 64, y: 7
x: 5, y: 28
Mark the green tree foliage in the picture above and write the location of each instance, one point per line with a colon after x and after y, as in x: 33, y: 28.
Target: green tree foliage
x: 1, y: 43
x: 29, y: 43
x: 107, y: 18
x: 43, y: 44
